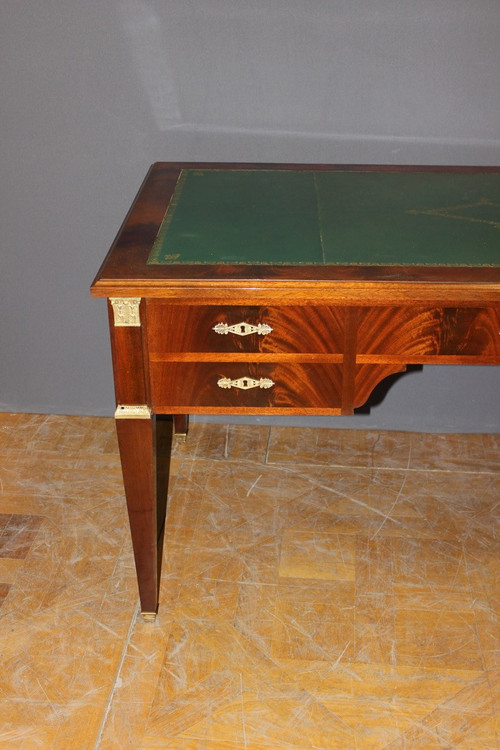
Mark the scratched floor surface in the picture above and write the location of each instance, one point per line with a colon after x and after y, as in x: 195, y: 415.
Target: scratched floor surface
x: 320, y: 589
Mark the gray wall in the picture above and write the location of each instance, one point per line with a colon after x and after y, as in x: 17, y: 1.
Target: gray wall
x: 93, y: 92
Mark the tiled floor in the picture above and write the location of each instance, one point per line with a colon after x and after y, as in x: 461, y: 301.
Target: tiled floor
x: 321, y: 589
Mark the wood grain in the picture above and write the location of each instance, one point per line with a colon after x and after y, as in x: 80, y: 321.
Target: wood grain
x: 193, y: 386
x: 295, y: 329
x: 414, y: 331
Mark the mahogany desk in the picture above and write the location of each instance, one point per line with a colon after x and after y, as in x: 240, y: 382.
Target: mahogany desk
x: 288, y: 289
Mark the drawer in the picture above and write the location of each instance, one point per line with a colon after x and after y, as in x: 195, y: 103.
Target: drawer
x: 242, y: 387
x: 417, y: 332
x: 211, y: 328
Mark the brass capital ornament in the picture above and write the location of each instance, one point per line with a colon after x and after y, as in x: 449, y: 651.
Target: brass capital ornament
x: 126, y: 311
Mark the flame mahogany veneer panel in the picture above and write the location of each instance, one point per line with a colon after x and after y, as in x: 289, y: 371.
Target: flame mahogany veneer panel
x: 178, y: 385
x: 295, y: 329
x: 414, y: 331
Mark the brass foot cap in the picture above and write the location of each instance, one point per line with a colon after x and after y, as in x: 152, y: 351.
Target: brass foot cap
x: 148, y: 616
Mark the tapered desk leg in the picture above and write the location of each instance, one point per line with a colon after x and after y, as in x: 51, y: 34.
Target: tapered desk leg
x: 181, y: 422
x: 137, y: 442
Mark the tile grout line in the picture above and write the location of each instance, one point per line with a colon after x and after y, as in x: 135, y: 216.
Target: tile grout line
x: 366, y: 467
x: 117, y: 675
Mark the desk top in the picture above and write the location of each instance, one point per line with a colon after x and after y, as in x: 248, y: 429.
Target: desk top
x: 282, y: 229
x: 374, y: 218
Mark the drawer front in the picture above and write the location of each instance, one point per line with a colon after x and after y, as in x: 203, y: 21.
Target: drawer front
x: 211, y: 328
x: 429, y: 331
x: 241, y: 386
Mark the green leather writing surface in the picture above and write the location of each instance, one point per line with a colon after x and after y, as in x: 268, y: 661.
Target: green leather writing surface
x: 331, y: 218
x: 419, y: 218
x: 251, y: 216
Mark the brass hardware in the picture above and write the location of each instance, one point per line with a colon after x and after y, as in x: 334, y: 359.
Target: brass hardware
x: 245, y: 383
x: 243, y: 329
x: 148, y: 616
x: 126, y: 311
x: 137, y: 411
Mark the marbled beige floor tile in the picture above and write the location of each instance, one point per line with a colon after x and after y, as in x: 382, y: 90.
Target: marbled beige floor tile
x: 385, y: 682
x: 481, y: 735
x: 448, y: 729
x: 207, y: 599
x: 39, y: 432
x: 431, y: 597
x: 183, y: 507
x: 375, y: 636
x: 230, y: 556
x: 375, y: 726
x: 252, y: 720
x: 314, y: 620
x: 376, y: 526
x: 142, y: 663
x: 29, y: 724
x: 136, y: 683
x: 432, y: 507
x: 461, y: 503
x: 488, y: 630
x: 125, y: 725
x: 9, y: 569
x: 180, y: 743
x: 89, y: 435
x: 35, y: 432
x: 381, y: 686
x: 306, y: 554
x: 359, y: 448
x: 58, y: 656
x: 294, y: 720
x: 8, y: 423
x: 375, y: 631
x: 55, y: 433
x: 374, y: 566
x: 4, y: 591
x: 247, y: 490
x: 222, y: 494
x: 17, y: 534
x: 433, y: 562
x: 56, y: 475
x: 430, y: 495
x: 191, y: 706
x: 474, y: 453
x: 437, y: 639
x: 395, y: 450
x: 367, y: 505
x: 482, y: 557
x: 81, y: 724
x: 218, y: 442
x: 200, y: 653
x: 254, y: 615
x: 67, y: 570
x: 29, y: 503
